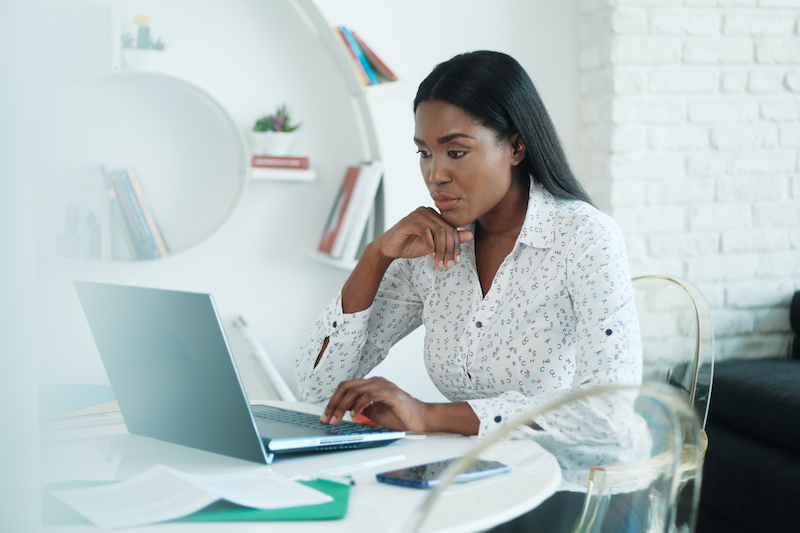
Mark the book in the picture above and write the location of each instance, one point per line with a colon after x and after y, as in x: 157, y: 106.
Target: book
x: 152, y: 225
x: 273, y: 161
x: 121, y: 204
x: 115, y: 208
x: 361, y: 206
x: 132, y: 201
x: 333, y: 227
x: 141, y: 232
x: 359, y: 54
x: 357, y: 66
x: 377, y: 64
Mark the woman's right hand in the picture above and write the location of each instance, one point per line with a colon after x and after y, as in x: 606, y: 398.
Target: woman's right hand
x: 424, y: 232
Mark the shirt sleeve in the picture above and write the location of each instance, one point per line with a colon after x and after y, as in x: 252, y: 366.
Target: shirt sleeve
x: 608, y: 349
x: 357, y: 342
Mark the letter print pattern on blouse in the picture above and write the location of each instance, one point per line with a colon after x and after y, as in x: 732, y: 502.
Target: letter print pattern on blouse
x: 559, y: 316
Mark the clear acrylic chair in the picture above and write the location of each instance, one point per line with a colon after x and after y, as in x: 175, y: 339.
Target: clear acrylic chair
x: 677, y: 345
x: 677, y: 337
x: 645, y: 444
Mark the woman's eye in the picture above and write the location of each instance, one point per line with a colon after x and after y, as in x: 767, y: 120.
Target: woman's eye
x: 457, y: 154
x: 423, y: 154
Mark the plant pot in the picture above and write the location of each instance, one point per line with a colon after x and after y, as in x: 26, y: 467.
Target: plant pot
x: 142, y: 60
x: 271, y: 142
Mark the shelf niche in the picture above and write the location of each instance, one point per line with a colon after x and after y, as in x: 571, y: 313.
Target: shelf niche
x: 186, y: 150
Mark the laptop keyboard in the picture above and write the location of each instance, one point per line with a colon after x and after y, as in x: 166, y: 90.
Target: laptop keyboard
x: 278, y: 414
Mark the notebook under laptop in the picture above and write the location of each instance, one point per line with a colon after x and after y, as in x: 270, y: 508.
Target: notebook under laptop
x: 175, y: 379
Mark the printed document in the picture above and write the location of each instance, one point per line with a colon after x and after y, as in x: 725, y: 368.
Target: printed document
x: 162, y: 493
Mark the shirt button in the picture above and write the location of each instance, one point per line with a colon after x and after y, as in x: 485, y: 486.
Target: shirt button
x: 609, y: 332
x: 334, y: 324
x: 498, y: 419
x: 479, y: 324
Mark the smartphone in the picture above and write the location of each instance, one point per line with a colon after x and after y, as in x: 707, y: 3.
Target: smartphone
x: 427, y: 475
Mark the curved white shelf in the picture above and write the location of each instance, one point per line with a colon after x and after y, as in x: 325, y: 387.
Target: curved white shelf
x: 188, y: 153
x: 283, y: 174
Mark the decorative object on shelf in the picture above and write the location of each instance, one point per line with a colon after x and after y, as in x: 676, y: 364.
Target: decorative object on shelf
x: 370, y: 68
x: 283, y: 168
x: 274, y: 134
x: 141, y: 53
x: 81, y: 234
x: 273, y: 161
x: 129, y: 206
x: 348, y: 230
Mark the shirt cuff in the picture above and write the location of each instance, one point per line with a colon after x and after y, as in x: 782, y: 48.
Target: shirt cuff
x: 337, y: 325
x: 494, y: 413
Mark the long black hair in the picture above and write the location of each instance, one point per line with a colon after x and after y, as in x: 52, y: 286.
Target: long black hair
x: 495, y: 89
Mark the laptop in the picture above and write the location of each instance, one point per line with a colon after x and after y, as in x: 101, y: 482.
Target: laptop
x: 175, y: 379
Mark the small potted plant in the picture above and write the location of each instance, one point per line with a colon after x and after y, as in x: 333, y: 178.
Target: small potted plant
x: 274, y: 134
x: 141, y: 52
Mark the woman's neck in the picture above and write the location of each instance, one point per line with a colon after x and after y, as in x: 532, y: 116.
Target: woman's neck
x: 506, y: 219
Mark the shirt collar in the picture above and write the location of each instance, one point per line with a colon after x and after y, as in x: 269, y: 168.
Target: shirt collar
x: 538, y: 230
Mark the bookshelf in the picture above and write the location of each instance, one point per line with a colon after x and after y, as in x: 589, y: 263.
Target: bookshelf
x: 367, y: 102
x: 239, y: 237
x: 193, y: 182
x: 128, y: 98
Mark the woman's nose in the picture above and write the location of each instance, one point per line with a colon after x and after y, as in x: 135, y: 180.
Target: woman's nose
x: 439, y: 173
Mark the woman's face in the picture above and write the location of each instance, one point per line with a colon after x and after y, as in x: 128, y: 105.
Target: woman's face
x: 468, y: 172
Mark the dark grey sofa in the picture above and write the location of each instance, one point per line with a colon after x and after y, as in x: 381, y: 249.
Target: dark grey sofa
x: 751, y: 476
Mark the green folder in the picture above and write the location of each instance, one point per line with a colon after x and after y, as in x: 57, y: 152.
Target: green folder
x: 54, y: 511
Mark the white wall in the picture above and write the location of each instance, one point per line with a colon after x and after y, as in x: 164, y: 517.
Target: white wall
x: 19, y: 452
x: 690, y: 133
x: 251, y: 56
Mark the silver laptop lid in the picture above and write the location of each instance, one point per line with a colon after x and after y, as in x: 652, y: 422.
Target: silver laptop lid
x: 171, y: 369
x: 173, y: 374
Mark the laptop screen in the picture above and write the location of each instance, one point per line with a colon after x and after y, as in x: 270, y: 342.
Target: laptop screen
x: 171, y: 368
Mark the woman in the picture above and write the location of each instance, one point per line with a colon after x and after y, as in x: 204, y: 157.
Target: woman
x: 522, y: 285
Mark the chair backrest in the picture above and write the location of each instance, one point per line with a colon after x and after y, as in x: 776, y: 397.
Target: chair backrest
x: 644, y: 444
x: 677, y: 337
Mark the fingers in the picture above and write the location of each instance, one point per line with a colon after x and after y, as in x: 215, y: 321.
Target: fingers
x: 355, y: 396
x: 446, y: 245
x: 352, y: 395
x: 425, y: 232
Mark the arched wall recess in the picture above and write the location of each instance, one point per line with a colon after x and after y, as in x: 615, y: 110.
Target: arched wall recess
x: 186, y: 150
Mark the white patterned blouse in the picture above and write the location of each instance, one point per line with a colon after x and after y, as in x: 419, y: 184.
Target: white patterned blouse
x: 559, y: 317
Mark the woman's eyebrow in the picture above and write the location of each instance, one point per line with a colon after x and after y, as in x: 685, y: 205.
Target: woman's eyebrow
x: 445, y: 139
x: 448, y: 138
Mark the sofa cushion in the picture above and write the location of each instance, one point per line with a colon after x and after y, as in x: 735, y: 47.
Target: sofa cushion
x: 753, y: 485
x: 759, y: 397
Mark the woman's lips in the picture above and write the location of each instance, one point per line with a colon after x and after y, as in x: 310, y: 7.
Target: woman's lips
x: 444, y: 202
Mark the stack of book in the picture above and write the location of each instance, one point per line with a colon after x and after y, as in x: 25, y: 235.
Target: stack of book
x: 348, y: 229
x: 370, y: 68
x: 129, y: 206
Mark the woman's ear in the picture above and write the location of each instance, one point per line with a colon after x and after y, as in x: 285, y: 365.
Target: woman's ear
x: 517, y: 149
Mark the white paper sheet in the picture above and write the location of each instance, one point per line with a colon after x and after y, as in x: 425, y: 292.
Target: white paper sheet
x: 162, y: 493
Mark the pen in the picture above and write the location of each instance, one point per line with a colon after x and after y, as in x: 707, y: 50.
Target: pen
x: 340, y: 480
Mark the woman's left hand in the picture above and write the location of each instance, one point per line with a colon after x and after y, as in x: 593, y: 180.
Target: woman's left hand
x: 378, y: 399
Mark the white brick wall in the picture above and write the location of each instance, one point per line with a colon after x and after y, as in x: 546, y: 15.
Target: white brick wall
x: 690, y: 138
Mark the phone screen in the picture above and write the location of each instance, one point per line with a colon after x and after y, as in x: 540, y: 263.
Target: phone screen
x: 428, y: 475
